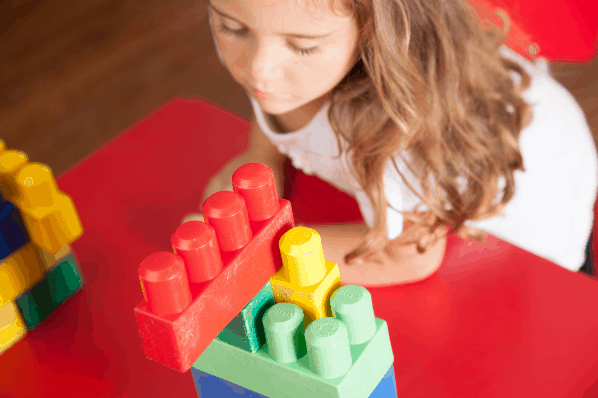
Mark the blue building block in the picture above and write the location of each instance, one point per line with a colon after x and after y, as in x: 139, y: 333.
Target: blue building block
x: 387, y: 386
x: 211, y: 386
x: 13, y: 234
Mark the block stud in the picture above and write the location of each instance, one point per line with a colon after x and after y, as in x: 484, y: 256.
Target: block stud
x: 328, y: 348
x: 11, y: 162
x: 164, y: 283
x: 195, y: 242
x: 226, y: 212
x: 352, y: 304
x: 37, y: 186
x: 255, y: 182
x: 283, y: 324
x: 303, y: 256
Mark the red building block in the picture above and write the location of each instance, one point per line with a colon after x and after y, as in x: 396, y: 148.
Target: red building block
x: 247, y: 225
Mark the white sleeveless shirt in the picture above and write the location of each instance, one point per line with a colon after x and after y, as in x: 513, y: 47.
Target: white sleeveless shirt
x: 551, y: 213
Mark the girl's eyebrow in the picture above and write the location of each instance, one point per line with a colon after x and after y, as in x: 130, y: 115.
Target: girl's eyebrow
x: 296, y: 35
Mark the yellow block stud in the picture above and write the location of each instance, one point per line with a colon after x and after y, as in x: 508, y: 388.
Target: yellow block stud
x: 306, y: 278
x: 49, y: 215
x: 302, y: 256
x: 2, y: 146
x: 19, y: 272
x: 11, y: 162
x: 12, y: 327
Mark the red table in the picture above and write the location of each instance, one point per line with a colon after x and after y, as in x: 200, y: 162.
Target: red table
x: 495, y: 321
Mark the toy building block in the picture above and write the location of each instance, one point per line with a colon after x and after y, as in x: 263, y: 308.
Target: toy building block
x: 346, y: 356
x: 211, y: 386
x: 38, y: 270
x: 13, y: 234
x: 19, y: 272
x: 59, y: 284
x: 246, y: 330
x: 12, y: 327
x: 216, y: 269
x: 48, y: 214
x: 306, y: 278
x: 11, y: 162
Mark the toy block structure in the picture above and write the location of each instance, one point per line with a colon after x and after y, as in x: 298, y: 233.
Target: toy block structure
x: 215, y: 269
x: 38, y: 269
x: 344, y: 352
x: 248, y: 302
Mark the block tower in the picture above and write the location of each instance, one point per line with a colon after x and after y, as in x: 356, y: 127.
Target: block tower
x: 248, y: 302
x: 38, y: 269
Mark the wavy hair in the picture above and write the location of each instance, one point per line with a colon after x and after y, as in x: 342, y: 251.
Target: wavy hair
x: 430, y: 81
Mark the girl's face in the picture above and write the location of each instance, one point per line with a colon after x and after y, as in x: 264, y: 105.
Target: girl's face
x: 289, y: 50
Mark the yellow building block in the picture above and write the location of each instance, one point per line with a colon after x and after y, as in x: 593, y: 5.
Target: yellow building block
x: 12, y: 327
x: 305, y: 278
x: 19, y: 272
x: 57, y: 257
x: 49, y: 260
x: 11, y: 162
x: 49, y: 215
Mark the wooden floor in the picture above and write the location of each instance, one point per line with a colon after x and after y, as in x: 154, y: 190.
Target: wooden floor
x: 75, y: 74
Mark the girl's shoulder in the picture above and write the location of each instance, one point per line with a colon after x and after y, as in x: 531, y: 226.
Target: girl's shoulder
x: 554, y: 108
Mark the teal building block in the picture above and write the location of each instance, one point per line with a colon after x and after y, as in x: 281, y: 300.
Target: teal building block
x: 348, y: 356
x: 246, y: 330
x: 59, y: 284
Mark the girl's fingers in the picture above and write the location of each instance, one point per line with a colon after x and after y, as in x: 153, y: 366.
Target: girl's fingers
x: 192, y: 217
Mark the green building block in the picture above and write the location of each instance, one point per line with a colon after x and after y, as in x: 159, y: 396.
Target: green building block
x: 345, y: 357
x: 246, y: 330
x: 60, y: 283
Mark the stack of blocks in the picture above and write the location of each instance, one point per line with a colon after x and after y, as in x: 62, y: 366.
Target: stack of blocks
x: 249, y: 303
x: 38, y: 222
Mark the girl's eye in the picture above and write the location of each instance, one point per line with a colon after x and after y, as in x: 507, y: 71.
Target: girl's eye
x: 239, y: 33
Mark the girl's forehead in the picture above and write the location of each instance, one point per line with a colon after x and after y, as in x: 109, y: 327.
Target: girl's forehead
x: 317, y: 9
x: 282, y: 13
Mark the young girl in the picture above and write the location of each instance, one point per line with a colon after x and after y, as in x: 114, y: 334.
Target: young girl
x: 424, y: 118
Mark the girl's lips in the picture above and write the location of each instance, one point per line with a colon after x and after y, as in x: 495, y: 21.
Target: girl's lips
x: 263, y: 95
x: 268, y: 96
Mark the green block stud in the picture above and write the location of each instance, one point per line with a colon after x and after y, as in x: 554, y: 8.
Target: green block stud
x: 60, y: 283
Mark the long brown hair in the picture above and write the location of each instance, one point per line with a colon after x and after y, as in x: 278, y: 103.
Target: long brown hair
x: 431, y: 81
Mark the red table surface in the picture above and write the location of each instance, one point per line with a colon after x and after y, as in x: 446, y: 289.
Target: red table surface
x: 564, y: 30
x: 495, y: 321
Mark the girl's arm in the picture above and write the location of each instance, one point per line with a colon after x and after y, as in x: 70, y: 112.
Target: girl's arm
x: 408, y: 265
x: 259, y: 150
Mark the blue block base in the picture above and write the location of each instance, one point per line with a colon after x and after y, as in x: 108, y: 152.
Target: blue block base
x: 209, y: 386
x: 13, y: 234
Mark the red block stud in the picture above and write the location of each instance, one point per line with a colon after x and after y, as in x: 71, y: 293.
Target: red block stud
x: 195, y: 242
x: 256, y: 184
x: 164, y: 283
x: 227, y: 213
